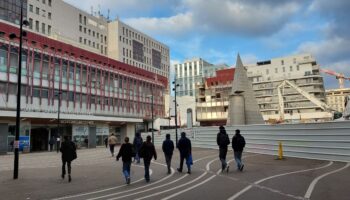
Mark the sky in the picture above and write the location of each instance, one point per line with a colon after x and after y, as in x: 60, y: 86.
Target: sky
x: 216, y: 30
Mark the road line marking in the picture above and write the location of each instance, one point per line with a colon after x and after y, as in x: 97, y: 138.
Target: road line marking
x: 179, y: 186
x: 190, y: 188
x: 151, y: 188
x: 314, y: 182
x: 103, y: 190
x: 274, y: 176
x: 113, y: 194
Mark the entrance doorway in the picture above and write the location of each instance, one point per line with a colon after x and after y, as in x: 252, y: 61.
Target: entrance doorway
x: 39, y: 139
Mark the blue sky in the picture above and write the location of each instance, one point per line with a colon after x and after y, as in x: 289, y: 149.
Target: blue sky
x: 217, y: 30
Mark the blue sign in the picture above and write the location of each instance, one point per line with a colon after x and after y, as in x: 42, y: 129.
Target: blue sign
x: 24, y: 142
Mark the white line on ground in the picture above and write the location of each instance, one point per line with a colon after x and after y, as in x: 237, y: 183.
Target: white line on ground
x: 103, y: 190
x: 179, y: 186
x: 314, y: 182
x: 274, y: 176
x: 113, y: 194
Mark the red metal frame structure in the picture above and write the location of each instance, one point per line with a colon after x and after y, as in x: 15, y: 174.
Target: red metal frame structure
x: 64, y: 57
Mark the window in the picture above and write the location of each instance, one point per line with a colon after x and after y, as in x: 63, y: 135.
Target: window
x: 49, y: 29
x: 30, y: 23
x: 93, y: 33
x: 276, y: 70
x: 84, y: 20
x: 49, y: 2
x: 297, y: 67
x: 80, y: 18
x: 84, y: 30
x: 49, y: 15
x: 80, y: 28
x: 85, y: 41
x: 291, y: 68
x: 37, y: 26
x: 44, y: 2
x: 43, y: 13
x: 282, y: 62
x: 37, y: 10
x: 89, y: 31
x: 43, y: 28
x: 80, y: 39
x: 31, y: 8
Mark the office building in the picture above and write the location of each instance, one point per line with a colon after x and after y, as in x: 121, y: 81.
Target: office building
x: 336, y: 98
x: 192, y: 72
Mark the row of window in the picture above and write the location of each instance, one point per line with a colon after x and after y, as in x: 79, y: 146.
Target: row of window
x: 37, y: 11
x: 147, y: 42
x: 37, y: 26
x: 93, y: 34
x: 49, y: 2
x: 93, y: 45
x: 283, y: 69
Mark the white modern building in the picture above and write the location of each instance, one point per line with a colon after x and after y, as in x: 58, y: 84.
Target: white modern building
x: 301, y: 70
x: 192, y: 72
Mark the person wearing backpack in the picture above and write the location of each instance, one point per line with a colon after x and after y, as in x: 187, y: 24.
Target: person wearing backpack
x: 223, y: 140
x: 68, y: 150
x: 238, y: 143
x: 137, y: 145
x: 147, y: 151
x: 125, y: 152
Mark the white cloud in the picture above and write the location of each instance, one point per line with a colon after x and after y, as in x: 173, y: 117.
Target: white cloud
x: 171, y: 26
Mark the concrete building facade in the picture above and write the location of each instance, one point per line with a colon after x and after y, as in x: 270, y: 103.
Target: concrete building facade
x: 336, y: 98
x: 303, y: 71
x: 192, y: 72
x: 130, y: 46
x: 97, y: 95
x: 212, y: 98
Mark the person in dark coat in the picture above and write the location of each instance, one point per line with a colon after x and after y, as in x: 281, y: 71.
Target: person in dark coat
x: 68, y: 150
x: 137, y: 145
x: 51, y: 143
x: 168, y: 148
x: 106, y: 142
x: 147, y: 151
x: 185, y: 148
x: 223, y: 140
x: 238, y: 143
x: 125, y: 152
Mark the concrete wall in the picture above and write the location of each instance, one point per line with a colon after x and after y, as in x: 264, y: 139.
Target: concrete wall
x: 323, y: 141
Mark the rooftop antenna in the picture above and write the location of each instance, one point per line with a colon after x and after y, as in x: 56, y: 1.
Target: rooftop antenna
x: 99, y: 9
x: 92, y: 10
x: 108, y: 11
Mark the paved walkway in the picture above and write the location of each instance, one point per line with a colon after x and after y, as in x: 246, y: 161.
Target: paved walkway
x: 96, y: 175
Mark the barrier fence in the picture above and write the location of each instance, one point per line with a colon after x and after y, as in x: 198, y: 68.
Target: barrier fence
x: 323, y: 141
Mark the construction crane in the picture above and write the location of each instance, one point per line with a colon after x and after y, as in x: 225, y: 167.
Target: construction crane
x: 311, y: 98
x: 341, y: 78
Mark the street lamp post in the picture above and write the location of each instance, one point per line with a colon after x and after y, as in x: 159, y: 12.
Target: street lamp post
x: 19, y: 82
x: 151, y: 96
x: 174, y: 89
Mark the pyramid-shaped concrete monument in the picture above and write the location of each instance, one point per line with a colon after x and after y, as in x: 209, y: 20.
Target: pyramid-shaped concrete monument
x: 243, y: 107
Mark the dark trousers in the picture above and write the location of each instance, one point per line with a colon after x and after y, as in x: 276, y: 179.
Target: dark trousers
x: 222, y: 156
x: 168, y: 161
x: 147, y: 163
x: 182, y: 158
x: 111, y: 148
x: 238, y: 158
x: 64, y: 167
x: 58, y: 146
x: 51, y: 147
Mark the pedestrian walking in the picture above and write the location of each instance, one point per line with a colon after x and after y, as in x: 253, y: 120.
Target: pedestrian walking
x: 125, y: 152
x: 58, y: 144
x: 238, y: 143
x: 185, y: 148
x: 68, y: 150
x: 112, y: 141
x: 168, y: 149
x: 223, y: 140
x: 51, y: 143
x: 147, y: 151
x: 106, y: 142
x: 137, y: 145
